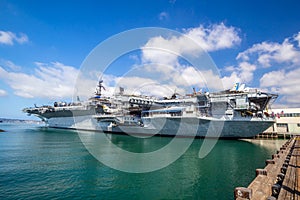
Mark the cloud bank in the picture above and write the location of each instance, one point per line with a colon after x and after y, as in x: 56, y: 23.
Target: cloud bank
x: 193, y: 41
x: 53, y: 80
x: 163, y: 72
x: 282, y: 60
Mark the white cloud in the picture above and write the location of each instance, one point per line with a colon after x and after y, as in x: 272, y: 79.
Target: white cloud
x: 163, y: 16
x: 212, y: 38
x: 228, y: 81
x: 272, y: 78
x: 297, y: 38
x: 246, y: 71
x: 285, y: 83
x: 3, y: 93
x: 56, y: 81
x: 166, y: 52
x: 8, y: 38
x: 268, y: 53
x: 146, y: 86
x: 181, y: 77
x: 53, y: 80
x: 243, y: 73
x: 282, y: 61
x: 10, y: 65
x: 264, y: 55
x: 189, y: 77
x: 157, y: 51
x: 162, y: 70
x: 230, y: 68
x: 215, y: 37
x: 134, y: 81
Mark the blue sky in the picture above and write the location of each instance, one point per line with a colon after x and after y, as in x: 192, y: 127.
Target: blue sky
x: 43, y: 44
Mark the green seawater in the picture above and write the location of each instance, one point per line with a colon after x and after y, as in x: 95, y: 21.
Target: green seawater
x: 41, y: 163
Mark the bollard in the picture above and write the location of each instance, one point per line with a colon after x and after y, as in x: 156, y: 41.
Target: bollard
x: 286, y: 161
x: 275, y: 156
x: 283, y: 170
x: 270, y: 161
x: 280, y: 178
x: 242, y: 192
x: 261, y: 172
x: 275, y: 190
x: 282, y: 148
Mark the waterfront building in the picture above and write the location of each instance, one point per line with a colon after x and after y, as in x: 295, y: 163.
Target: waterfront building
x: 287, y: 122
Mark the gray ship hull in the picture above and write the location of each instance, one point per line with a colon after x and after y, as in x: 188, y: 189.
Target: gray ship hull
x: 196, y: 127
x: 172, y: 126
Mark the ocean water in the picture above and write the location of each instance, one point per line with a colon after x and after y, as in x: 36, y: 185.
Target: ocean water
x: 41, y: 163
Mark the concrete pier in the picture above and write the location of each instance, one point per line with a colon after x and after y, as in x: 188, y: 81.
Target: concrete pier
x: 280, y: 179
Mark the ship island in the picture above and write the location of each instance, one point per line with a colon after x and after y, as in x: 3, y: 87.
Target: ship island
x: 239, y: 112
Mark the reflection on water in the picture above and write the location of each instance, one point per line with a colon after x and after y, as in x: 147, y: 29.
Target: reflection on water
x: 267, y: 143
x: 135, y: 144
x: 135, y: 157
x: 50, y: 163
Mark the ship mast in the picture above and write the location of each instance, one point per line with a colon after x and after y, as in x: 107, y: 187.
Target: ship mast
x: 99, y: 88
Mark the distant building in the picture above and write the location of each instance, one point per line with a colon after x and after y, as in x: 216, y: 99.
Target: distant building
x: 287, y: 121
